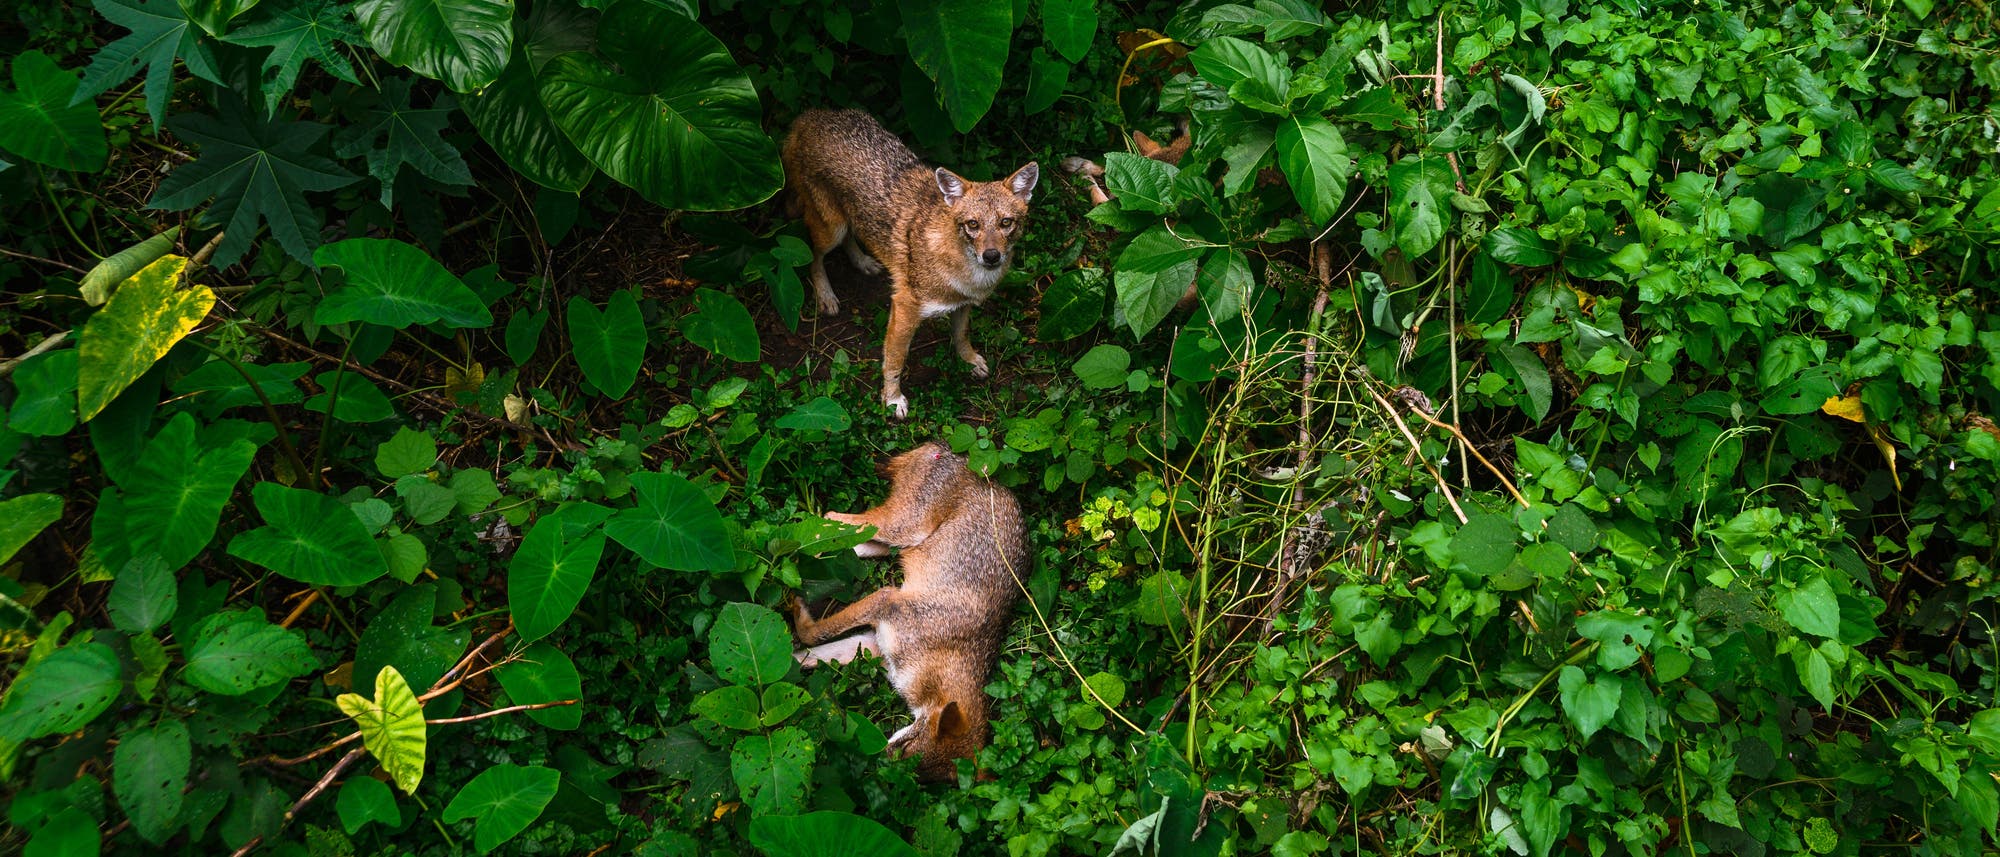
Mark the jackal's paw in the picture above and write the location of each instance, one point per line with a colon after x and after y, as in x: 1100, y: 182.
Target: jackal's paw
x: 902, y: 743
x: 865, y: 263
x: 898, y: 404
x: 979, y: 369
x: 829, y: 306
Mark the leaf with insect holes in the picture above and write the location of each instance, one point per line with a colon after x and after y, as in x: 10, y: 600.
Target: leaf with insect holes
x: 238, y: 651
x: 149, y: 770
x: 749, y: 645
x: 60, y: 693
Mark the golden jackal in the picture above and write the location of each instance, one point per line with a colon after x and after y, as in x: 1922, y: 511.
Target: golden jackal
x: 946, y: 241
x: 938, y: 633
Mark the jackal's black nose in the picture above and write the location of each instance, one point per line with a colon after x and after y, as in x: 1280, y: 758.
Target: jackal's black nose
x: 990, y: 258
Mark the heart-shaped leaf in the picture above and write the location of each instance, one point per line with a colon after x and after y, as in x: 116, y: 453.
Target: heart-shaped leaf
x: 673, y: 525
x: 392, y: 727
x: 23, y: 517
x: 961, y: 45
x: 826, y: 834
x: 237, y: 651
x: 545, y: 674
x: 366, y: 799
x: 309, y: 537
x: 821, y: 414
x: 407, y: 451
x: 1069, y: 26
x: 149, y: 770
x: 1589, y: 704
x: 1152, y: 274
x: 504, y: 800
x: 464, y: 43
x: 38, y: 122
x: 666, y: 111
x: 60, y: 693
x: 173, y: 499
x: 552, y: 568
x: 749, y: 645
x: 144, y: 595
x: 1103, y: 367
x: 512, y: 118
x: 609, y: 345
x: 720, y: 325
x: 45, y: 394
x: 143, y: 319
x: 395, y: 285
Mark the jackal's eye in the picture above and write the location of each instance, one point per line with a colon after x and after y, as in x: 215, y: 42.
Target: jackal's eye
x: 971, y: 226
x: 1006, y: 223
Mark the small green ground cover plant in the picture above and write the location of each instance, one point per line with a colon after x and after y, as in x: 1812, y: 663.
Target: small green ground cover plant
x: 1578, y: 438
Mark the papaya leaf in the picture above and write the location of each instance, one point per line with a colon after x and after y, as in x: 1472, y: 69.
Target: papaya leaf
x: 392, y: 727
x: 149, y: 770
x: 464, y: 43
x: 141, y: 322
x: 397, y: 135
x: 160, y: 34
x: 296, y: 32
x: 681, y: 124
x: 609, y: 345
x: 673, y: 525
x: 39, y: 122
x: 309, y: 537
x: 394, y: 284
x: 503, y: 800
x: 256, y: 171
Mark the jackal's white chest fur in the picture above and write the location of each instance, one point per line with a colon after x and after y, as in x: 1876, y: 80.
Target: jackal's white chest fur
x: 973, y: 284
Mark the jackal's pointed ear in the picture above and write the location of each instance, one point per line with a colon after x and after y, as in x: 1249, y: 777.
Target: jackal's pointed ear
x: 950, y: 185
x: 951, y: 721
x: 1022, y: 182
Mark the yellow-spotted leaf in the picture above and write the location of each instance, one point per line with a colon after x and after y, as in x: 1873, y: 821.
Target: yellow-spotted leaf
x: 143, y: 319
x: 392, y: 727
x: 1844, y: 407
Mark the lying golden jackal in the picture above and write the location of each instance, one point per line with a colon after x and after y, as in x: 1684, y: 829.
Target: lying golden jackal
x: 938, y: 633
x: 945, y: 241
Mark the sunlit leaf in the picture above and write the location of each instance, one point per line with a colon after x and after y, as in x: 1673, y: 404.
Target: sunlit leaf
x: 145, y: 317
x: 504, y: 800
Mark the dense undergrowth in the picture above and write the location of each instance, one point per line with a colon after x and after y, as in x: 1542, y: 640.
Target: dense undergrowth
x: 1582, y: 440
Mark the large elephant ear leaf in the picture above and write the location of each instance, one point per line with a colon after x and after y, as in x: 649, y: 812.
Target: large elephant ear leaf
x: 38, y: 122
x: 680, y: 124
x: 464, y: 43
x: 962, y: 45
x: 394, y: 284
x: 134, y: 330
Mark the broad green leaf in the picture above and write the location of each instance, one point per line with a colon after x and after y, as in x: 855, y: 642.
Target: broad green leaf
x: 545, y: 674
x: 1071, y: 305
x: 392, y: 727
x: 681, y: 125
x: 1047, y: 78
x: 1152, y: 274
x: 38, y: 122
x: 524, y: 332
x: 235, y: 652
x: 395, y: 285
x: 1623, y: 636
x: 366, y: 799
x: 1485, y: 544
x: 118, y: 267
x: 1315, y: 161
x: 214, y: 16
x: 1419, y: 190
x: 360, y: 400
x: 1140, y: 184
x: 473, y: 491
x: 71, y: 833
x: 504, y: 800
x: 773, y: 770
x: 1804, y: 393
x: 464, y: 43
x: 1533, y: 375
x: 826, y: 834
x: 1069, y: 26
x: 401, y: 636
x: 552, y: 568
x: 1811, y: 608
x: 821, y: 414
x: 1589, y: 704
x: 160, y: 33
x: 405, y: 555
x: 45, y: 394
x: 60, y: 693
x: 961, y: 45
x: 216, y: 386
x: 720, y: 325
x: 1816, y: 674
x: 749, y: 645
x: 731, y: 705
x: 397, y: 135
x: 174, y: 497
x: 149, y: 770
x: 296, y: 32
x: 1516, y: 245
x: 673, y: 525
x: 816, y: 536
x: 1105, y: 686
x: 609, y: 345
x: 142, y: 321
x: 426, y: 502
x: 1248, y: 72
x: 780, y: 701
x: 408, y: 451
x: 512, y: 118
x: 1103, y: 367
x: 24, y: 517
x: 256, y: 171
x: 143, y: 597
x: 309, y: 537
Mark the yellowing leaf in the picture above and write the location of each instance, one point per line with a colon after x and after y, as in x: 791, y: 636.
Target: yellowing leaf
x: 143, y: 319
x: 1881, y: 438
x: 392, y: 727
x: 465, y: 380
x: 1844, y: 407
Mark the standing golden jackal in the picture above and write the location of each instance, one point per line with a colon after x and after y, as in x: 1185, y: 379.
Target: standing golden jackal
x: 945, y: 241
x: 938, y: 633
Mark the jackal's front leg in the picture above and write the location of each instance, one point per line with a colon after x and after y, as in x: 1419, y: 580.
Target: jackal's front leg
x: 961, y: 324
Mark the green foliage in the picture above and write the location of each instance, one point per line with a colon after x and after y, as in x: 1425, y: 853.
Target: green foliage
x: 392, y: 727
x: 38, y: 122
x: 609, y: 344
x: 503, y: 800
